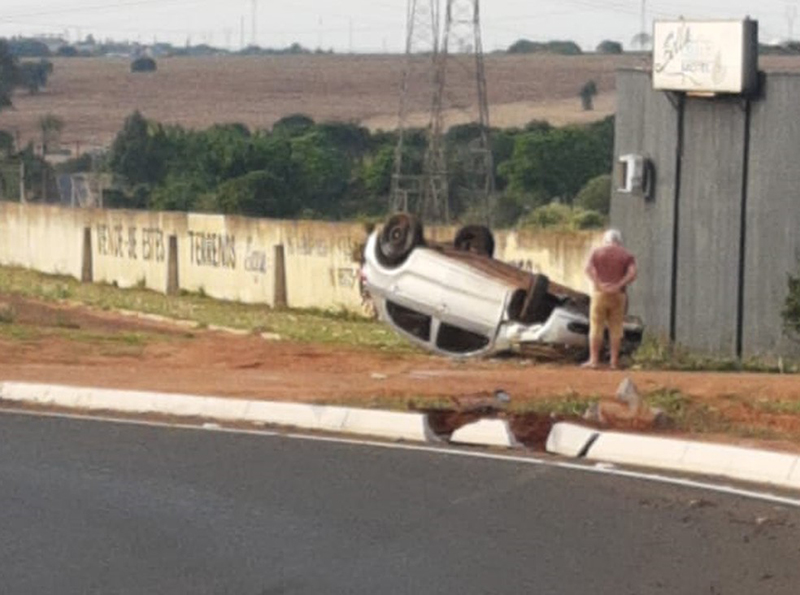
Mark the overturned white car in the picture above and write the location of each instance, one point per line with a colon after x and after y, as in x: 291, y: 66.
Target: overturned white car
x: 457, y: 300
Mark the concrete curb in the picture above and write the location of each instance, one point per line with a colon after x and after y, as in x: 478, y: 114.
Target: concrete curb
x: 572, y: 440
x: 387, y: 424
x: 486, y: 432
x: 735, y: 462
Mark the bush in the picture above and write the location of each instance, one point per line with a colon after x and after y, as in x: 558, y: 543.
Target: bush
x: 791, y: 308
x: 609, y: 47
x: 548, y: 216
x: 34, y: 75
x: 588, y: 219
x: 143, y: 64
x: 293, y: 125
x: 562, y: 218
x: 595, y: 195
x: 525, y: 46
x: 587, y: 93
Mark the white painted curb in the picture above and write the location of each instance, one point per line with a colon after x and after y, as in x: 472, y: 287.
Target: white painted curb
x: 746, y: 464
x: 486, y: 432
x: 386, y: 424
x: 632, y: 449
x: 570, y: 440
x: 741, y: 463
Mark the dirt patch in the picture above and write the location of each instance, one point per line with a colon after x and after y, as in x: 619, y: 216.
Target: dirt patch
x: 80, y: 346
x: 93, y: 96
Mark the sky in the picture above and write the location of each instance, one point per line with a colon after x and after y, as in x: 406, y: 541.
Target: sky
x: 369, y: 26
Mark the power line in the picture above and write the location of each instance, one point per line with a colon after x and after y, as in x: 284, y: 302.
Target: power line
x: 95, y: 7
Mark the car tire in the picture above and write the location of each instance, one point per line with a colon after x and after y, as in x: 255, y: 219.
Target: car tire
x: 475, y: 238
x: 399, y: 236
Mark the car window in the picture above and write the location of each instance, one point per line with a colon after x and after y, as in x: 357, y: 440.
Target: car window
x: 457, y: 340
x: 411, y: 321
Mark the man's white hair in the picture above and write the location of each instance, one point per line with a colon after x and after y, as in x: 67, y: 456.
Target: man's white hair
x: 612, y: 236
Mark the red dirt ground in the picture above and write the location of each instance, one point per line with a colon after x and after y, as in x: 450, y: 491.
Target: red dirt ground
x: 79, y: 346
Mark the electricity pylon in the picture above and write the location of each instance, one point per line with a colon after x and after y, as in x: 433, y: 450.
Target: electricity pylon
x: 427, y: 191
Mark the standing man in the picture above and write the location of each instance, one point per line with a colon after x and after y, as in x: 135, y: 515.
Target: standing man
x: 611, y: 268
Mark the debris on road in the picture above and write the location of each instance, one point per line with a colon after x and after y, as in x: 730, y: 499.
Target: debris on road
x: 628, y: 411
x: 481, y: 402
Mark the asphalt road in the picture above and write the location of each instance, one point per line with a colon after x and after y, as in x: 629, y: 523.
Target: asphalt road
x: 90, y: 507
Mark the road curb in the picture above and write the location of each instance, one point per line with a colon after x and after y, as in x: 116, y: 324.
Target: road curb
x: 386, y: 424
x: 568, y: 439
x: 486, y: 432
x: 735, y: 462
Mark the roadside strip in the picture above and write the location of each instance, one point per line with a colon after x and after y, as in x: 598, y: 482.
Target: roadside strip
x: 386, y: 424
x: 746, y: 464
x: 571, y: 440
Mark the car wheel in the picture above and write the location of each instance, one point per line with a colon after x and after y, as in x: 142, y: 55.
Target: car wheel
x: 401, y: 234
x: 475, y: 238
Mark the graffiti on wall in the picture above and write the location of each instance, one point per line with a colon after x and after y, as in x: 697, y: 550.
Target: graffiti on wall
x: 131, y: 242
x: 255, y: 259
x: 346, y: 277
x: 526, y: 265
x: 308, y: 246
x: 210, y: 249
x: 205, y: 249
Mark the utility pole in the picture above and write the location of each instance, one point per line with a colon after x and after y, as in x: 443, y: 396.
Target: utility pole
x: 791, y: 15
x: 22, y: 197
x: 643, y: 22
x: 350, y: 36
x: 253, y: 16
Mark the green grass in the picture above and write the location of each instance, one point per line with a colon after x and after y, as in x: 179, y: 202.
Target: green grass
x: 777, y: 407
x: 297, y: 325
x: 656, y: 353
x: 7, y: 314
x: 569, y: 406
x: 19, y: 332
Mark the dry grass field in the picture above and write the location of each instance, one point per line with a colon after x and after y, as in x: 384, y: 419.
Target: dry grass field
x: 94, y: 95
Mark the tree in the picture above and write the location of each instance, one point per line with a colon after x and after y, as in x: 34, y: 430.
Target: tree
x: 556, y: 164
x: 293, y: 125
x: 525, y: 46
x: 50, y: 127
x: 596, y: 194
x: 791, y: 308
x: 29, y: 48
x: 67, y: 51
x: 143, y: 64
x: 324, y: 173
x: 33, y: 75
x: 9, y: 74
x: 259, y: 194
x: 139, y: 152
x: 609, y: 47
x: 643, y: 41
x: 587, y: 93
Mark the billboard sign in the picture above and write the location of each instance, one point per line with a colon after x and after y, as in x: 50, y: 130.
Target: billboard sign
x: 706, y: 57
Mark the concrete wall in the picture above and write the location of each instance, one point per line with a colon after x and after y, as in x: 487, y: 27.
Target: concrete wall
x: 233, y: 258
x: 729, y: 166
x: 647, y: 124
x: 709, y: 225
x: 772, y: 246
x: 560, y: 256
x: 45, y: 239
